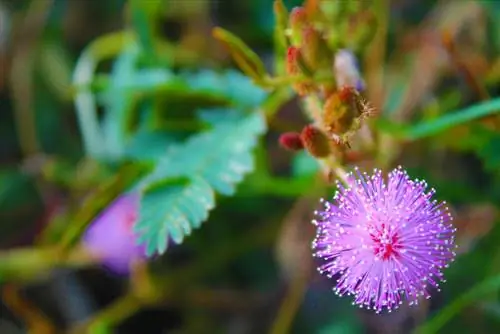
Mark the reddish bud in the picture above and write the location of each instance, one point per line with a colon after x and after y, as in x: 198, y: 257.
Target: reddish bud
x: 312, y: 7
x: 292, y: 54
x: 293, y: 67
x: 346, y: 94
x: 297, y: 21
x: 298, y: 16
x: 310, y: 45
x: 344, y: 112
x: 338, y: 115
x: 291, y: 141
x: 315, y: 50
x: 315, y: 141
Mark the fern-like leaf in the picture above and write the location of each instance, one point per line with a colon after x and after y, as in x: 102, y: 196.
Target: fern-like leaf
x: 172, y: 211
x: 212, y: 161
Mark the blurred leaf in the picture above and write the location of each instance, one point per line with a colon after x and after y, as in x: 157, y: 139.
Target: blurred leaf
x: 222, y: 156
x: 443, y: 123
x: 493, y: 11
x: 118, y: 102
x: 100, y: 49
x: 304, y: 164
x: 215, y: 160
x: 172, y: 210
x: 247, y: 60
x: 152, y: 78
x: 149, y: 145
x: 477, y: 292
x: 144, y: 16
x: 236, y: 87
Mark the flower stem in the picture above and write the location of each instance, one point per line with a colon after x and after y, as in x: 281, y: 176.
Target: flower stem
x: 290, y: 305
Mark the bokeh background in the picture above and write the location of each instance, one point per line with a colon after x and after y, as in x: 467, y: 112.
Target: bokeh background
x: 249, y: 268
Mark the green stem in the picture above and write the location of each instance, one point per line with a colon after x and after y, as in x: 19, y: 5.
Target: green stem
x: 290, y: 305
x: 476, y: 292
x: 28, y: 263
x: 122, y: 308
x: 144, y: 15
x: 433, y: 127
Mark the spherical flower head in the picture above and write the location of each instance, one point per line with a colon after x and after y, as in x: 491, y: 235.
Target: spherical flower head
x: 110, y: 236
x: 385, y: 241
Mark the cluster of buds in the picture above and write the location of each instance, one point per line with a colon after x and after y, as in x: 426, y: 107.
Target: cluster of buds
x: 343, y: 108
x: 308, y: 53
x: 310, y: 138
x: 317, y: 143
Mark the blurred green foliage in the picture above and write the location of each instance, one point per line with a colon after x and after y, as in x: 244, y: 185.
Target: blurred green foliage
x: 102, y: 98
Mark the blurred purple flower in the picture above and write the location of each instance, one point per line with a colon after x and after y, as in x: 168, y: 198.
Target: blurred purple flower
x: 346, y: 70
x: 110, y: 236
x: 384, y: 241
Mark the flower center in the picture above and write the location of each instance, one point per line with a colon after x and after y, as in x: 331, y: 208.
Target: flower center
x: 385, y: 244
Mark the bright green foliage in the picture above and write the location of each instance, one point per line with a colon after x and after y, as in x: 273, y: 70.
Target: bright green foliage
x: 231, y: 84
x: 209, y: 162
x: 172, y: 211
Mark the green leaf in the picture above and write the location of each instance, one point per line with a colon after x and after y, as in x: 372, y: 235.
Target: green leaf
x: 209, y: 162
x: 443, y: 123
x: 172, y: 210
x: 119, y: 102
x: 149, y: 145
x: 236, y: 87
x: 144, y: 15
x: 247, y: 60
x: 478, y: 291
x: 221, y: 156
